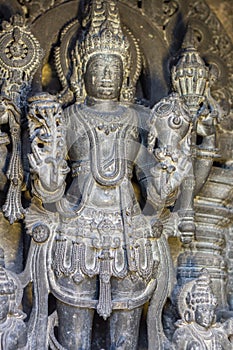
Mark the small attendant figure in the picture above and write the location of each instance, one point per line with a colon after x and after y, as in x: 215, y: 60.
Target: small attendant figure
x: 198, y: 330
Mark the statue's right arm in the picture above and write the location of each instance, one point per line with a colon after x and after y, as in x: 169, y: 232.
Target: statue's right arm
x: 47, y: 159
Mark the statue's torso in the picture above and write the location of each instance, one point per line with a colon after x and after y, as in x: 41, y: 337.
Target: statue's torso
x: 103, y: 150
x: 107, y: 226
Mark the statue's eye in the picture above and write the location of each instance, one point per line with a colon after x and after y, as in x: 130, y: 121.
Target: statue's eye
x: 116, y: 66
x: 95, y: 67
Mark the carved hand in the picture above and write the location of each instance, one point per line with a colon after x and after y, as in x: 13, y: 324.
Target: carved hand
x: 208, y: 117
x: 171, y: 170
x: 206, y: 125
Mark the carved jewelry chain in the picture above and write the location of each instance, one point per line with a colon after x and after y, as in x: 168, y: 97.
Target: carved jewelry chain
x: 95, y: 116
x: 120, y: 159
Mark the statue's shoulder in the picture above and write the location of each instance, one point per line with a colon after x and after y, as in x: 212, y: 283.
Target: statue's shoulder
x: 142, y: 114
x: 219, y: 331
x: 71, y: 114
x: 72, y: 109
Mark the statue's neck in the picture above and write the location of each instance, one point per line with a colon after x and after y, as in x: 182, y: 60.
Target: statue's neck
x: 202, y: 329
x: 102, y: 105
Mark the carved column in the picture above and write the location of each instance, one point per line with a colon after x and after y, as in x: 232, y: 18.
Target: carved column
x: 213, y: 219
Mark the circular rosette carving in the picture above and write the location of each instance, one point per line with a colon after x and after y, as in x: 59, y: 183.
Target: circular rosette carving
x: 19, y: 49
x: 40, y: 233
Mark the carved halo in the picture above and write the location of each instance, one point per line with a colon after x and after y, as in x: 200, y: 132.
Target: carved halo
x: 68, y: 39
x: 201, y: 286
x: 181, y: 300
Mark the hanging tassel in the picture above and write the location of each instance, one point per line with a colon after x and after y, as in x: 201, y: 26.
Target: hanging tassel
x: 104, y: 307
x: 13, y: 208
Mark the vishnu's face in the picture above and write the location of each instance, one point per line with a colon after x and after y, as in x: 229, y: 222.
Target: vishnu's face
x: 204, y: 315
x: 104, y: 76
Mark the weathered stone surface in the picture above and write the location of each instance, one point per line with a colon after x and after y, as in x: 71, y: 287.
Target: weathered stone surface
x: 116, y: 174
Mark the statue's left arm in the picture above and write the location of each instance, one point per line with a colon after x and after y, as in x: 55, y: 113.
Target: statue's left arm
x: 168, y: 144
x: 145, y: 163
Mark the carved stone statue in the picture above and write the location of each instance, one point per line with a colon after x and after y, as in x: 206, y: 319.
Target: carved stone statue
x: 198, y: 330
x: 102, y: 252
x: 102, y: 249
x: 95, y: 188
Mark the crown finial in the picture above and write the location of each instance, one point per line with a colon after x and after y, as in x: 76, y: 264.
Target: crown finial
x: 190, y: 41
x: 103, y: 32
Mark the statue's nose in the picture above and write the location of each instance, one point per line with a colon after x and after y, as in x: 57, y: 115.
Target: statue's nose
x: 107, y: 73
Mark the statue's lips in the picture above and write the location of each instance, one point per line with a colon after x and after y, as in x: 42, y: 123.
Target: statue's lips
x: 107, y: 84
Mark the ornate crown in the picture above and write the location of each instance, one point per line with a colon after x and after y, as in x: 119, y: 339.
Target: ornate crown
x: 104, y: 33
x: 201, y: 292
x: 101, y: 34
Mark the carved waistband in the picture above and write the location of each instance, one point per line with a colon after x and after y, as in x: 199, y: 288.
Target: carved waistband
x: 84, y: 167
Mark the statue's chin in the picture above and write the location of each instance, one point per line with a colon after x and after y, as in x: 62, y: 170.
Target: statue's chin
x: 205, y: 325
